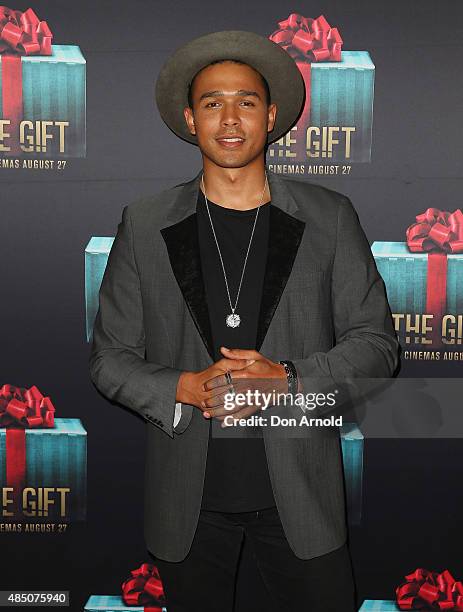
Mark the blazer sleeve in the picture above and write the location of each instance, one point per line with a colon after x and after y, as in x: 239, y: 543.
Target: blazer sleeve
x: 366, y: 345
x: 118, y: 367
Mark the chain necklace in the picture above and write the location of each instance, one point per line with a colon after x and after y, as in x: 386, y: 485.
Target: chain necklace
x: 233, y: 319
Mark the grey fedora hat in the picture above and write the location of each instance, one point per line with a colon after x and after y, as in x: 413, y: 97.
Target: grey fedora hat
x: 285, y: 81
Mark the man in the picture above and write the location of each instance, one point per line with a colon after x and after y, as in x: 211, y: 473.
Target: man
x: 209, y: 285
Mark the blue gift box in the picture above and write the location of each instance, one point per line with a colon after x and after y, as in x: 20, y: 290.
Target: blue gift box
x: 110, y: 603
x: 54, y: 89
x: 96, y: 258
x: 352, y: 455
x: 55, y: 457
x: 379, y: 605
x: 405, y: 276
x: 341, y: 95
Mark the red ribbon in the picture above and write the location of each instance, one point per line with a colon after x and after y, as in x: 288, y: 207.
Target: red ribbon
x: 308, y: 40
x: 437, y: 232
x: 21, y: 33
x: 21, y: 409
x: 436, y: 229
x: 144, y: 588
x: 425, y: 590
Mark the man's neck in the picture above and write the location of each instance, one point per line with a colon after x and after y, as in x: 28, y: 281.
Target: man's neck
x: 237, y: 188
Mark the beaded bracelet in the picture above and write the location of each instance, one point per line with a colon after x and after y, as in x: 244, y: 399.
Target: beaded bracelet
x: 291, y: 375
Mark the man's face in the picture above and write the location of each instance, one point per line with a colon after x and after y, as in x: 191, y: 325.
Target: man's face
x: 229, y: 102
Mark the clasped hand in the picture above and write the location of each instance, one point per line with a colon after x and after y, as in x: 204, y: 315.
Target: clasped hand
x: 250, y: 372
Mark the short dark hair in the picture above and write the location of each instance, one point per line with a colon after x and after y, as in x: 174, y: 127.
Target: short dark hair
x: 220, y: 61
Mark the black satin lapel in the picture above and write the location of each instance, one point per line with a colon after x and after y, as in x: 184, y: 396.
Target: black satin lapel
x: 285, y: 235
x: 182, y: 245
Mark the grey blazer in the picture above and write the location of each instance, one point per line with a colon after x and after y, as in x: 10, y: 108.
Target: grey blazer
x: 324, y: 307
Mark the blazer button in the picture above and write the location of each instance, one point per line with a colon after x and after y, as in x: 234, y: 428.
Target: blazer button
x: 155, y: 421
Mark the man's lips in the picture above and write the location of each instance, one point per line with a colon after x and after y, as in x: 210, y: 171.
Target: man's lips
x: 230, y: 142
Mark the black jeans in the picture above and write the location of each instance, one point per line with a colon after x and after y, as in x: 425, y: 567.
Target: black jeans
x: 205, y: 580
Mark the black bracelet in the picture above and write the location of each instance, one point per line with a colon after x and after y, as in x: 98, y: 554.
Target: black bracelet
x: 291, y: 375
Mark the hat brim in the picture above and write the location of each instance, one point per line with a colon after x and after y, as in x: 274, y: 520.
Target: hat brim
x: 285, y: 81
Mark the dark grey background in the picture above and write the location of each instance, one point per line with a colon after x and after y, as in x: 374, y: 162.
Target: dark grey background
x: 413, y: 498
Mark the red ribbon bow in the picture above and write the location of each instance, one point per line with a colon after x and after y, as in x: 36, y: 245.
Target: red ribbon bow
x: 25, y: 408
x: 437, y: 232
x: 307, y: 39
x: 23, y: 33
x: 21, y: 409
x: 425, y: 590
x: 144, y: 588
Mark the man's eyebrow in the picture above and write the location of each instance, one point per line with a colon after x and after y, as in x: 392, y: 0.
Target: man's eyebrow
x: 240, y: 92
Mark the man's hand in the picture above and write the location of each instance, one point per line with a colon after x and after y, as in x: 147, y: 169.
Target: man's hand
x: 244, y: 379
x: 191, y: 385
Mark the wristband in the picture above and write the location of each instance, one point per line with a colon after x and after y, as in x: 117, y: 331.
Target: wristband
x: 291, y: 376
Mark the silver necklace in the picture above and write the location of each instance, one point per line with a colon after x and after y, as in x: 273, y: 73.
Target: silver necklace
x: 233, y: 319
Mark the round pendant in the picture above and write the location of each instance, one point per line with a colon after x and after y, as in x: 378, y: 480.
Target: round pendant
x: 233, y: 320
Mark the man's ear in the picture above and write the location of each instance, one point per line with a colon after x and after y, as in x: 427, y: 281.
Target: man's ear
x: 272, y: 114
x: 189, y: 118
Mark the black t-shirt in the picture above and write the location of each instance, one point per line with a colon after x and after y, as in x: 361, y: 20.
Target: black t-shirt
x: 237, y: 478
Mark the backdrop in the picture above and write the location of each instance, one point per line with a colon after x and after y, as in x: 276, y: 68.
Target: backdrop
x: 117, y: 149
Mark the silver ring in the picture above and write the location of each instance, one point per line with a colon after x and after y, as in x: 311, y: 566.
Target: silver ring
x: 228, y: 378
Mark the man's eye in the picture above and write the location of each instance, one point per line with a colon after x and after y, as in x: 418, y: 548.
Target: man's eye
x: 247, y: 102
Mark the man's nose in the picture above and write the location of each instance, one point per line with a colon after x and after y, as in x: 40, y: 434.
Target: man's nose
x: 230, y: 121
x: 230, y: 116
